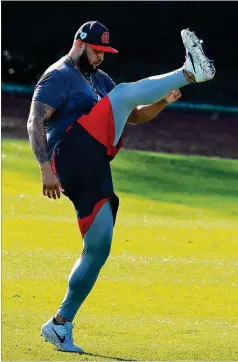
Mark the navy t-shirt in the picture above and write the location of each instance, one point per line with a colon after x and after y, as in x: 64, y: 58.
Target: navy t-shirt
x: 64, y: 88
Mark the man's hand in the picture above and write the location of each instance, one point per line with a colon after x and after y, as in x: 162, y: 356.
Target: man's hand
x: 50, y: 182
x: 143, y: 114
x: 173, y: 96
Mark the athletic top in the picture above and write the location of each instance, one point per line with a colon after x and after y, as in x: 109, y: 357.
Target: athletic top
x: 64, y: 88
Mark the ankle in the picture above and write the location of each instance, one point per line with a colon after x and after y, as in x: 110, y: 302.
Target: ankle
x: 189, y: 76
x: 59, y: 319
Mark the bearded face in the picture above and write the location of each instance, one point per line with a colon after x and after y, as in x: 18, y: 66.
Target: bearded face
x: 91, y: 60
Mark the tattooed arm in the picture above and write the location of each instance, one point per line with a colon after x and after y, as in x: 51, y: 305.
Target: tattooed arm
x: 39, y: 113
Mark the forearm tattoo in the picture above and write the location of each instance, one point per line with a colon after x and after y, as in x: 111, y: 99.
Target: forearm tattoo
x: 39, y: 113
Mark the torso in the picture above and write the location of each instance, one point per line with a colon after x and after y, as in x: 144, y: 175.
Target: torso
x: 79, y: 97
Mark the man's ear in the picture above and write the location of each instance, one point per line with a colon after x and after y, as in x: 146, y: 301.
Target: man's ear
x: 79, y: 44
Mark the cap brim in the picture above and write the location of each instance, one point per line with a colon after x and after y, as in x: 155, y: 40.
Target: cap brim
x: 102, y: 48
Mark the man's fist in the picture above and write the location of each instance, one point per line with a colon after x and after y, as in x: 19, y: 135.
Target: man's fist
x: 173, y: 96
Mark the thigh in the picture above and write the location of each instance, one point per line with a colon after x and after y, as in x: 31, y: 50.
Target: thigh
x: 121, y: 99
x: 85, y: 175
x: 84, y: 171
x: 79, y: 159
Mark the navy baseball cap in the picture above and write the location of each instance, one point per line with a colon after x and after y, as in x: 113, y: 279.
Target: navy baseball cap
x: 95, y: 35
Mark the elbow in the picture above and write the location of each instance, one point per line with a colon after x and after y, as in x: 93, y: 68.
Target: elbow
x: 29, y: 126
x: 134, y: 117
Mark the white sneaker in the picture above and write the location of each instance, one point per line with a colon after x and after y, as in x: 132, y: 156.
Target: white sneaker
x: 60, y: 336
x: 196, y: 61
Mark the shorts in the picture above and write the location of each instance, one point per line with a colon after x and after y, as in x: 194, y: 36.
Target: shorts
x: 81, y: 161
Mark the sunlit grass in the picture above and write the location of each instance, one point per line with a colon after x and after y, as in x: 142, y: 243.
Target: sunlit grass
x: 168, y: 290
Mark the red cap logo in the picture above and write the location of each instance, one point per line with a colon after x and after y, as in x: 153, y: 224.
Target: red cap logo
x: 105, y: 37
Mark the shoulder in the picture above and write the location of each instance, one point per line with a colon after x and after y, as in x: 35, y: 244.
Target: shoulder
x: 57, y: 71
x: 52, y: 88
x: 106, y: 79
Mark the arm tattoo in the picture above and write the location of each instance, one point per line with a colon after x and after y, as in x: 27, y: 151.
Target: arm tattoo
x: 39, y: 113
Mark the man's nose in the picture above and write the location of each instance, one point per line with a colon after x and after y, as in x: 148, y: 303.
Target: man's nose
x: 101, y: 55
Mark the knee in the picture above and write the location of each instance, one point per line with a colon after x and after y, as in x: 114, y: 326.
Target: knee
x: 89, y: 265
x: 99, y: 253
x: 124, y: 91
x: 121, y: 88
x: 97, y: 246
x: 105, y: 250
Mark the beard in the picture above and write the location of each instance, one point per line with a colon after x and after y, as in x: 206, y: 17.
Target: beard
x: 84, y: 65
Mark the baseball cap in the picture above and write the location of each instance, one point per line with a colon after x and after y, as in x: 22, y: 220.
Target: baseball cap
x: 95, y: 35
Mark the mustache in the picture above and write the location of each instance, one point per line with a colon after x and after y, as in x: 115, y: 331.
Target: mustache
x: 97, y: 63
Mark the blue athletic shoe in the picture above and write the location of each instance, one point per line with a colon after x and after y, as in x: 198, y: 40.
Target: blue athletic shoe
x: 196, y: 62
x: 60, y: 336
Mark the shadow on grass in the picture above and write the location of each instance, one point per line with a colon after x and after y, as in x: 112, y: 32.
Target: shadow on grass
x: 194, y: 181
x: 188, y: 180
x: 173, y: 170
x: 108, y: 357
x: 99, y: 355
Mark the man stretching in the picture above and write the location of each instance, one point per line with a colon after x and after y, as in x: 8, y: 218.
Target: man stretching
x: 75, y: 125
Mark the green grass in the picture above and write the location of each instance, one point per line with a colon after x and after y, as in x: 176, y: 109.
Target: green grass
x: 168, y: 290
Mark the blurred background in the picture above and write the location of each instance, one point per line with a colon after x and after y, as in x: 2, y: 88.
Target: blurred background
x: 147, y: 35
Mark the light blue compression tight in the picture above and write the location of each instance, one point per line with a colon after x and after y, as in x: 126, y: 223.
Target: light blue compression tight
x: 97, y: 240
x: 96, y: 248
x: 126, y: 96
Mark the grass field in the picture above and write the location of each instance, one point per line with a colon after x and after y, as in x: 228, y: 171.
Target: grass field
x: 169, y: 289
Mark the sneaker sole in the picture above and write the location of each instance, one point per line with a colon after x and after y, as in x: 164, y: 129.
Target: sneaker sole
x: 48, y: 337
x: 193, y: 46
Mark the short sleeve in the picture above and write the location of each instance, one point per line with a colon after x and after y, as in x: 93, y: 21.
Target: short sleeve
x: 110, y: 84
x: 51, y: 89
